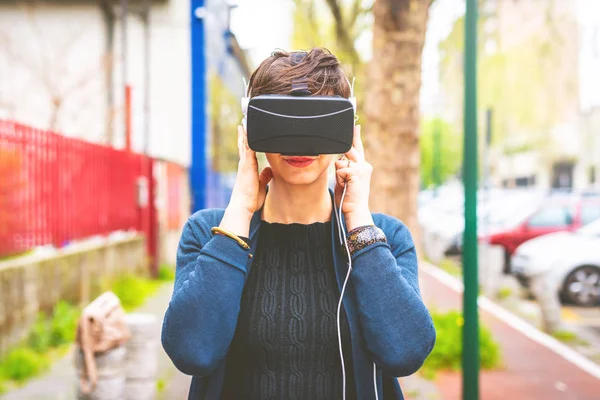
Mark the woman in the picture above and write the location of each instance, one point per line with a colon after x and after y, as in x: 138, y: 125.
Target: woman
x: 254, y: 308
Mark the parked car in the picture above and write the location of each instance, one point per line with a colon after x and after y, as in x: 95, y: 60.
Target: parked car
x: 556, y: 214
x: 573, y: 259
x: 503, y: 211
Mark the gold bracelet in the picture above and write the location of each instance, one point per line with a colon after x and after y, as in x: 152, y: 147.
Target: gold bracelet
x: 221, y: 231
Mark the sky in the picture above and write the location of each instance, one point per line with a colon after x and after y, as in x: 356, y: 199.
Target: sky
x: 262, y: 26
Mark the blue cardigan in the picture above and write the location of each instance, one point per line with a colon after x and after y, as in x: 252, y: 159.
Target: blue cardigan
x: 389, y: 323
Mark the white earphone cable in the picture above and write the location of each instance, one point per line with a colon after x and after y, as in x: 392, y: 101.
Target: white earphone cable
x: 342, y: 235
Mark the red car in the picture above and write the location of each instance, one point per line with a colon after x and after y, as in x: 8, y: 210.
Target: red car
x: 555, y: 214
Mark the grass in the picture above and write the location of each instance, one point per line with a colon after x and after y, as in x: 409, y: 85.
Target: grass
x: 452, y: 267
x: 133, y: 290
x: 565, y: 336
x: 23, y: 363
x: 46, y: 341
x: 447, y: 353
x: 56, y: 331
x: 166, y: 273
x: 504, y: 293
x: 569, y: 337
x: 14, y: 256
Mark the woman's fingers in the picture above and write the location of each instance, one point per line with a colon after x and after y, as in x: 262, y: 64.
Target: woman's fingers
x: 354, y: 155
x: 342, y: 175
x: 339, y: 164
x: 357, y: 140
x: 245, y: 152
x: 265, y: 176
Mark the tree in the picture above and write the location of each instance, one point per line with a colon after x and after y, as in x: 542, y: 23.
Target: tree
x: 529, y: 81
x: 392, y: 106
x: 450, y: 150
x: 389, y: 96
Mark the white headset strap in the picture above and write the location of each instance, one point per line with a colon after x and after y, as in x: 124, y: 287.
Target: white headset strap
x: 352, y: 98
x: 245, y: 99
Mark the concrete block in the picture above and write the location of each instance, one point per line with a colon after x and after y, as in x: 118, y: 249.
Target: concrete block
x: 144, y: 389
x: 545, y: 289
x: 110, y: 367
x: 491, y: 264
x: 108, y: 388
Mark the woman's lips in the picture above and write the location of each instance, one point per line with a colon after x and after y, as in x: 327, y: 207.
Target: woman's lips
x: 299, y: 162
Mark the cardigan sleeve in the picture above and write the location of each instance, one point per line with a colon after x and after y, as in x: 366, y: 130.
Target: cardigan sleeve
x: 397, y: 326
x: 202, y: 315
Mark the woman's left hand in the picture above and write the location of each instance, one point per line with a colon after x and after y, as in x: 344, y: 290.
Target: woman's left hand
x: 357, y: 175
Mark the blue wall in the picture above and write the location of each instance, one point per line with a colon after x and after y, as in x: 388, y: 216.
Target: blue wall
x: 210, y: 52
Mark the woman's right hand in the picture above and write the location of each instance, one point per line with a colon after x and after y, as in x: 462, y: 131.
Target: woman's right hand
x: 249, y: 190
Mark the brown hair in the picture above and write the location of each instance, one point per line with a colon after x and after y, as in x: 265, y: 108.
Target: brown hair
x: 321, y: 70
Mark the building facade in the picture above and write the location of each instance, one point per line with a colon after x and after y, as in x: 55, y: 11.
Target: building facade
x: 535, y: 65
x: 161, y: 77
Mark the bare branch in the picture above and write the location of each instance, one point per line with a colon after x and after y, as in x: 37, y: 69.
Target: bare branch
x: 342, y: 31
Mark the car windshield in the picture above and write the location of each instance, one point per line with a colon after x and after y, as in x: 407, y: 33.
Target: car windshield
x: 591, y: 229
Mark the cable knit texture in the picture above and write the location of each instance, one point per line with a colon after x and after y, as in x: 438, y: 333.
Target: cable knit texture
x: 285, y: 345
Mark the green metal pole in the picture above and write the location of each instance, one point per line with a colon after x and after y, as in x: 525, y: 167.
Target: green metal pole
x: 470, y: 360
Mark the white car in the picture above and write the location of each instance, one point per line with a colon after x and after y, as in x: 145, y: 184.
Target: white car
x: 573, y: 259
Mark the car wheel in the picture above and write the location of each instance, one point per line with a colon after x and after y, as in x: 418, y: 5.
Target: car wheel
x: 582, y: 286
x: 524, y: 281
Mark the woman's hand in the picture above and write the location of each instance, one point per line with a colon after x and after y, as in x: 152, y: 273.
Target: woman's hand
x: 249, y: 190
x: 357, y: 175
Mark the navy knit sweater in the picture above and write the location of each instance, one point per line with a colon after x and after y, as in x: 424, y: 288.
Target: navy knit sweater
x: 285, y: 345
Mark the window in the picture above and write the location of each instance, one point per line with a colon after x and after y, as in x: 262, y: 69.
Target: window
x: 552, y: 217
x: 589, y: 212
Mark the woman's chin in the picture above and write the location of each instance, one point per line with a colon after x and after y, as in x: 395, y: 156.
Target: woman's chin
x: 301, y: 179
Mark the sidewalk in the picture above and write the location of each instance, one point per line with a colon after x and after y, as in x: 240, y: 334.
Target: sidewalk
x: 60, y: 383
x: 532, y: 370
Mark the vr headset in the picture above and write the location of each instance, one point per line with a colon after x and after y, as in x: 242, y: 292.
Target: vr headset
x: 298, y: 123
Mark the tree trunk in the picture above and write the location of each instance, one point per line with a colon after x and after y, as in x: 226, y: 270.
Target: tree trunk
x: 392, y: 107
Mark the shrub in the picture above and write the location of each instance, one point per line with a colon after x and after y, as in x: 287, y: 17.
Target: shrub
x: 451, y: 266
x: 55, y: 331
x: 63, y: 324
x: 23, y: 363
x: 39, y: 336
x: 166, y: 273
x: 447, y: 353
x: 133, y: 290
x: 504, y: 293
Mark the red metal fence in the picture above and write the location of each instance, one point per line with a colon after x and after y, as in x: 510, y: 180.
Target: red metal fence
x: 55, y: 189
